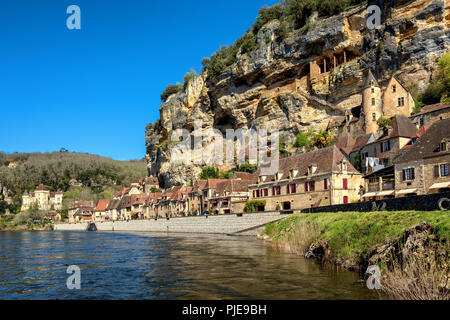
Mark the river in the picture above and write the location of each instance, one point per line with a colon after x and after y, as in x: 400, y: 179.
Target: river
x: 33, y: 265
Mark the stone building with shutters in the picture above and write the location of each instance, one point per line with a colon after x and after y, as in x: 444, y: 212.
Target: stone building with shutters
x: 424, y: 167
x: 319, y: 178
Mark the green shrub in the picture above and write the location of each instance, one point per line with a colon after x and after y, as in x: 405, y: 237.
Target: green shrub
x: 188, y: 77
x: 247, y: 167
x: 170, y: 90
x: 209, y: 173
x: 303, y: 139
x: 252, y: 205
x: 384, y: 122
x: 267, y: 14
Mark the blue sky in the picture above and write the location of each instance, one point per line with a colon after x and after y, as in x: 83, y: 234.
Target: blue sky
x: 95, y: 89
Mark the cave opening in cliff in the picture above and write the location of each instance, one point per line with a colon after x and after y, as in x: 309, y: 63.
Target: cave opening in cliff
x: 224, y: 121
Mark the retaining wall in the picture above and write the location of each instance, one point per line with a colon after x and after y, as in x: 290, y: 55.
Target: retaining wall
x: 248, y: 224
x: 428, y: 202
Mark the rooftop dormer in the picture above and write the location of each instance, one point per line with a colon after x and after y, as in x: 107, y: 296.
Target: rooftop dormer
x: 312, y: 169
x: 443, y: 146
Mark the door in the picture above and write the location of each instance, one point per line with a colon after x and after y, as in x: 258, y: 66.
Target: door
x: 345, y: 200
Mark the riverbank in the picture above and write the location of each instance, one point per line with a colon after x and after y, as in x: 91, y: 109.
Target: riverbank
x: 7, y: 223
x: 395, y: 241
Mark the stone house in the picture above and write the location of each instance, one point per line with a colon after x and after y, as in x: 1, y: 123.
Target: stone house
x: 43, y: 199
x: 124, y: 208
x: 137, y: 205
x: 431, y: 114
x: 100, y: 211
x: 81, y: 211
x: 151, y: 205
x: 379, y: 153
x: 112, y: 211
x: 352, y: 147
x: 376, y: 103
x: 230, y: 197
x: 174, y: 202
x: 196, y: 204
x: 151, y: 183
x: 424, y: 167
x: 319, y: 178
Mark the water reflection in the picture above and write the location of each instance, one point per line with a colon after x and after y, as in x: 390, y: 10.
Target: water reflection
x: 148, y: 266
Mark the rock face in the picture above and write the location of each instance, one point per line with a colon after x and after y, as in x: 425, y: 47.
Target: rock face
x: 289, y: 84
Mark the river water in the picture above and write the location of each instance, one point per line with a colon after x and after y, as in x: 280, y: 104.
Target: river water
x: 33, y: 265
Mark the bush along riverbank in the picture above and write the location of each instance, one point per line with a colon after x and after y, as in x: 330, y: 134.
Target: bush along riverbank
x: 411, y: 247
x: 23, y: 222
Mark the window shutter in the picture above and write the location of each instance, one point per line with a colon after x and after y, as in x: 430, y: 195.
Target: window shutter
x: 436, y: 171
x: 306, y: 187
x: 404, y: 175
x: 345, y: 183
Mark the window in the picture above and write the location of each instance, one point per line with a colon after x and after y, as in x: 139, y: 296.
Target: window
x: 373, y: 101
x: 276, y: 191
x: 345, y: 184
x: 325, y: 184
x: 312, y: 186
x: 401, y: 102
x: 394, y: 88
x: 294, y: 188
x: 385, y: 146
x: 374, y: 117
x: 266, y: 192
x: 408, y: 174
x: 373, y: 90
x: 422, y: 122
x: 444, y: 170
x: 443, y: 146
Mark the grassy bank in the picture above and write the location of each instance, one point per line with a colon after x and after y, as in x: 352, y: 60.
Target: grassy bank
x: 11, y: 223
x: 411, y: 247
x: 350, y: 234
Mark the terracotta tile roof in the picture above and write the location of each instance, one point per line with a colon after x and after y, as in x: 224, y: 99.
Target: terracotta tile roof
x: 401, y: 126
x: 138, y: 199
x: 212, y: 183
x: 41, y: 188
x: 53, y: 194
x: 82, y: 204
x: 113, y: 204
x: 346, y: 144
x: 199, y: 185
x: 153, y: 197
x: 428, y: 144
x: 327, y: 160
x: 102, y: 205
x: 245, y: 176
x: 232, y: 186
x: 361, y: 141
x: 432, y: 108
x: 125, y: 202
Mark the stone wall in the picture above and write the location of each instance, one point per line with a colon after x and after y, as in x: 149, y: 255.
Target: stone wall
x: 225, y: 224
x: 419, y: 203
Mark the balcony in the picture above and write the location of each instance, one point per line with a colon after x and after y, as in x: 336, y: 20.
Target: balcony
x: 389, y: 185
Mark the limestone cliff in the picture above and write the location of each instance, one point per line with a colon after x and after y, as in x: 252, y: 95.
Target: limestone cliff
x: 305, y: 81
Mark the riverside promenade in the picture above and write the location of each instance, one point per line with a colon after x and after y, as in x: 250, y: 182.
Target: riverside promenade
x: 249, y: 224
